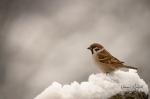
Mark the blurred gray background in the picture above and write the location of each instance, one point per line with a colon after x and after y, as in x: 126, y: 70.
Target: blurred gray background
x: 42, y: 41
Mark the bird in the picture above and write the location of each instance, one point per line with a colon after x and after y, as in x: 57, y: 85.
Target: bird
x: 105, y: 61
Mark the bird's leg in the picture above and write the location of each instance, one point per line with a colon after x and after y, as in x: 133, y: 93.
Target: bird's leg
x: 107, y: 73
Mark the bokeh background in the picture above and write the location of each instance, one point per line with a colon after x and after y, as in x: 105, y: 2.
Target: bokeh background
x: 42, y: 41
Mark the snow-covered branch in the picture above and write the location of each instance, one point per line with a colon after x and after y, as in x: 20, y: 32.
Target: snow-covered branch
x: 100, y: 86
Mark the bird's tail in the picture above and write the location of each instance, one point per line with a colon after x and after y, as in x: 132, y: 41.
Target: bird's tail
x: 130, y: 67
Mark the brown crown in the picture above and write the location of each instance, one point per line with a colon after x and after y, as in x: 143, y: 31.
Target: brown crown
x: 94, y: 45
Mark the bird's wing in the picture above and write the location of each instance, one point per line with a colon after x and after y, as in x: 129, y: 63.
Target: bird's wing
x: 107, y: 58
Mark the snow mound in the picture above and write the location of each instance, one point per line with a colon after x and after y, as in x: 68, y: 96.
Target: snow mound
x: 98, y: 86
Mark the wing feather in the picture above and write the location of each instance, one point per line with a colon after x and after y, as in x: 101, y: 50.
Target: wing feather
x: 107, y: 58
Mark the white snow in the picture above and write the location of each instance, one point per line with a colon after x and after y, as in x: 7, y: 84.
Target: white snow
x: 98, y: 86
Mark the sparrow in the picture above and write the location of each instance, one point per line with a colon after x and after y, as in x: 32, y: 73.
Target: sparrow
x: 105, y: 61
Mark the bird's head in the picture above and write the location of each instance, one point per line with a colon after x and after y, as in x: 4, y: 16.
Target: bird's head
x: 95, y: 47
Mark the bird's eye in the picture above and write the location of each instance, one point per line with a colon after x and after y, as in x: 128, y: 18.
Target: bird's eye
x: 96, y: 49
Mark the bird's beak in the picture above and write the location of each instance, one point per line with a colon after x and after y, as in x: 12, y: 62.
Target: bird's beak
x: 89, y: 48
